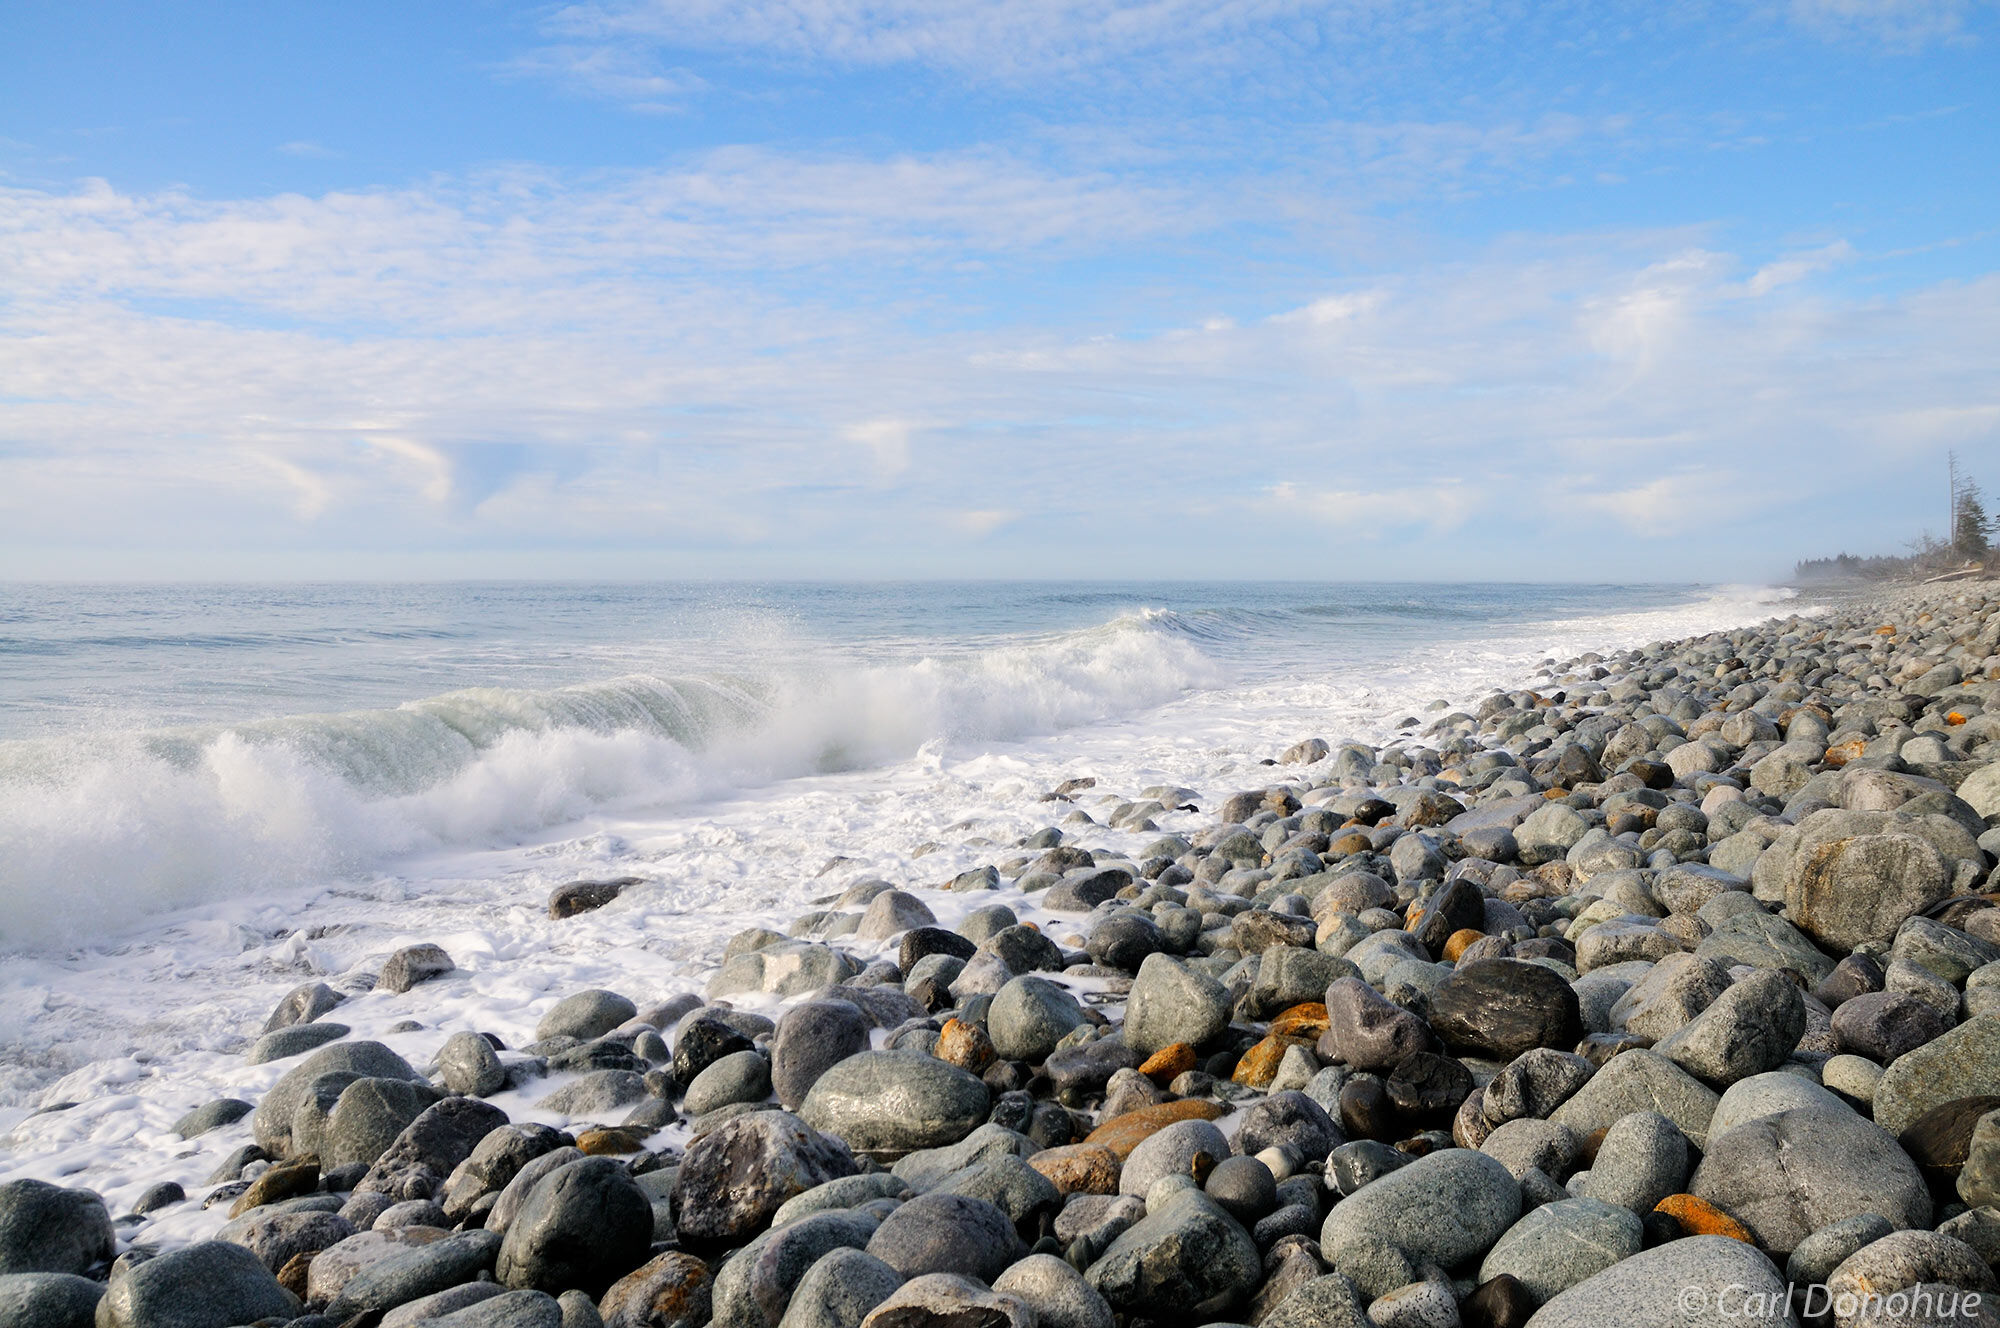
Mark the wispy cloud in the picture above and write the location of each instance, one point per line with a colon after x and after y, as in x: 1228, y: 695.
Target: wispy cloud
x: 301, y: 147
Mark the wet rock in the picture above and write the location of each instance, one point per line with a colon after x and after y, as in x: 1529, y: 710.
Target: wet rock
x: 211, y: 1284
x: 278, y: 1237
x: 574, y: 897
x: 48, y: 1300
x: 414, y: 964
x: 671, y: 1290
x: 212, y: 1116
x: 1186, y: 1257
x: 585, y: 1015
x: 414, y: 1273
x: 703, y: 1041
x: 1499, y: 1008
x: 1366, y: 1031
x: 840, y: 1291
x: 303, y: 1004
x: 896, y: 1101
x: 1029, y: 1017
x: 583, y: 1225
x: 811, y: 1037
x: 369, y: 1116
x: 468, y: 1065
x: 743, y: 1076
x: 734, y: 1178
x: 48, y: 1229
x: 272, y: 1121
x: 284, y: 1043
x: 947, y: 1233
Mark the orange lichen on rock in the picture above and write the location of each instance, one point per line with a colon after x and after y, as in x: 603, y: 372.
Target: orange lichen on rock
x: 1349, y: 844
x: 1699, y: 1217
x: 607, y: 1141
x: 1308, y: 1020
x: 1842, y: 752
x: 965, y: 1045
x: 1258, y: 1066
x: 1168, y: 1063
x: 1460, y: 941
x: 1122, y: 1134
x: 1954, y: 719
x: 1079, y: 1168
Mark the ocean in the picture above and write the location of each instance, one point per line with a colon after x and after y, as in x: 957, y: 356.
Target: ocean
x: 210, y: 793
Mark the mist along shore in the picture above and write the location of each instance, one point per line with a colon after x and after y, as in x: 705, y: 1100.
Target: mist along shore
x: 1627, y: 999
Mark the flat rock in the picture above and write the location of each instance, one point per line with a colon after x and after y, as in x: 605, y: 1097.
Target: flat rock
x: 1788, y: 1175
x: 1691, y: 1283
x: 1964, y: 1062
x: 1446, y: 1208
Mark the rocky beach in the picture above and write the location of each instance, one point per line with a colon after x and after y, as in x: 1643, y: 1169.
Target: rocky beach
x: 1653, y: 992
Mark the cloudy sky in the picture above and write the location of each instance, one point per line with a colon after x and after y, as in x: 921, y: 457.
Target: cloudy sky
x: 1654, y: 289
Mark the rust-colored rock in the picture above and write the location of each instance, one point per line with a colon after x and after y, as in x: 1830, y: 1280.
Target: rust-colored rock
x: 1461, y: 940
x: 1307, y: 1021
x: 966, y: 1046
x: 1699, y: 1217
x: 1079, y: 1168
x: 1348, y: 845
x: 1842, y: 752
x: 1122, y: 1134
x: 1258, y: 1066
x: 292, y: 1277
x: 286, y: 1181
x: 670, y: 1288
x: 1168, y: 1063
x: 606, y: 1141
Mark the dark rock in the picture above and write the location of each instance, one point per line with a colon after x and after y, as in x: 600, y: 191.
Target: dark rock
x: 48, y: 1300
x: 583, y: 1225
x: 574, y: 897
x: 1500, y: 1008
x: 1882, y: 1025
x: 735, y: 1177
x: 1289, y: 1119
x: 1428, y: 1087
x: 701, y: 1043
x: 1124, y: 939
x: 919, y: 942
x: 1366, y: 1031
x: 302, y: 1005
x: 671, y: 1290
x: 207, y: 1285
x: 1186, y: 1259
x: 812, y: 1037
x: 417, y: 1162
x: 947, y: 1233
x: 48, y: 1229
x: 212, y: 1116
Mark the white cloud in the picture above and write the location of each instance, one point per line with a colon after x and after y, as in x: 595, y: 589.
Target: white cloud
x: 1900, y: 25
x: 887, y: 442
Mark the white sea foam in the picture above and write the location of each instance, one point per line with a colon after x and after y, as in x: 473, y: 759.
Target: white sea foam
x: 312, y: 848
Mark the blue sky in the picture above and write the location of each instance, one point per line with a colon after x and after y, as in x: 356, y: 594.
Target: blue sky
x: 1334, y: 289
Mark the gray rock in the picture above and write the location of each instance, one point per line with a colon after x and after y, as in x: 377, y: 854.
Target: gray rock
x: 1698, y: 1281
x: 1964, y: 1062
x: 1010, y: 1185
x: 1288, y: 975
x: 1852, y: 891
x: 1367, y: 1032
x: 741, y: 1076
x: 896, y: 1101
x: 1643, y: 1159
x: 840, y: 1290
x: 1288, y: 1119
x: 284, y: 1043
x: 735, y: 1178
x: 945, y: 1300
x: 512, y: 1309
x: 1979, y: 1178
x: 1827, y: 1248
x: 1786, y: 1176
x: 368, y: 1117
x: 583, y: 1225
x: 513, y: 1196
x: 414, y: 964
x: 212, y: 1116
x: 1526, y: 1144
x: 1640, y: 1081
x: 48, y: 1229
x: 272, y: 1121
x: 274, y: 1237
x: 1172, y: 1151
x: 1549, y: 832
x: 1056, y: 1292
x: 925, y: 1168
x: 207, y: 1285
x: 1748, y: 1029
x: 1171, y: 1002
x: 811, y: 1037
x: 1534, y: 1084
x: 1029, y: 1017
x: 891, y: 912
x: 596, y: 1092
x: 1426, y: 1304
x: 420, y: 1271
x: 1445, y: 1208
x: 1767, y: 1095
x: 1332, y: 1301
x: 947, y: 1233
x: 1671, y: 993
x: 493, y: 1162
x: 49, y: 1300
x: 1554, y: 1247
x: 418, y: 1160
x: 1187, y: 1257
x: 438, y: 1304
x: 1883, y: 1025
x: 756, y: 1287
x: 585, y: 1015
x: 1763, y: 940
x: 1906, y: 1259
x: 303, y: 1004
x: 468, y: 1064
x: 846, y: 1192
